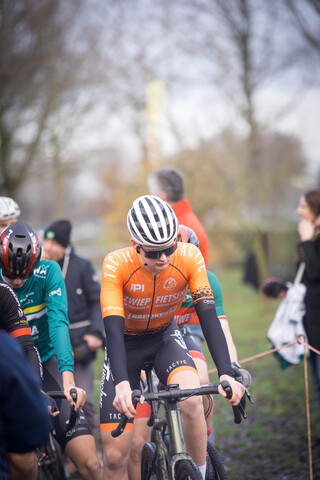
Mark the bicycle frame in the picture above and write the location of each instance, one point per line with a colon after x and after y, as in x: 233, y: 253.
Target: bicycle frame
x: 167, y: 461
x: 49, y: 456
x: 173, y: 422
x: 155, y: 459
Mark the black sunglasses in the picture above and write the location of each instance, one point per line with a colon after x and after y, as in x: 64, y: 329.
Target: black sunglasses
x: 156, y: 254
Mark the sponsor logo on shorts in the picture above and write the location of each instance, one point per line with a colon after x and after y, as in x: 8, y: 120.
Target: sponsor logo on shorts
x: 179, y: 339
x: 176, y: 364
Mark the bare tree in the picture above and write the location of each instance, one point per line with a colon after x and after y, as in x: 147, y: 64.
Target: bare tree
x: 307, y: 18
x: 43, y: 64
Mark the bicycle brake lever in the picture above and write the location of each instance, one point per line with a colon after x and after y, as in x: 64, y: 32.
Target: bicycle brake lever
x: 73, y: 393
x: 238, y: 410
x: 121, y: 426
x: 135, y: 395
x: 249, y: 396
x: 226, y: 387
x: 74, y: 416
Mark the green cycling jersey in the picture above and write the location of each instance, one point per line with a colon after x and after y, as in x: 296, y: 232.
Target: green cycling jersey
x: 187, y: 309
x: 43, y: 298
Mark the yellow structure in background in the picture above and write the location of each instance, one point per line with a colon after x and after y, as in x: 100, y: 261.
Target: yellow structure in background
x: 156, y: 98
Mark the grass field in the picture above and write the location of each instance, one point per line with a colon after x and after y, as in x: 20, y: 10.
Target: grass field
x: 272, y: 442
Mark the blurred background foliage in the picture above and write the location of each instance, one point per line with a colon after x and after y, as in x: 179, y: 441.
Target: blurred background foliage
x: 95, y: 94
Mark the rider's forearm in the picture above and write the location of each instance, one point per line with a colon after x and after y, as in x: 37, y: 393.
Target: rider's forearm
x: 114, y: 327
x: 67, y: 380
x: 33, y: 356
x: 227, y: 333
x: 215, y: 339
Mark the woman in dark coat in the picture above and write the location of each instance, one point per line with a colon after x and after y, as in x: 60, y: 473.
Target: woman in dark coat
x: 309, y: 252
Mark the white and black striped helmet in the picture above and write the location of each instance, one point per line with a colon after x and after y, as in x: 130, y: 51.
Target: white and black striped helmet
x: 152, y: 222
x: 8, y: 208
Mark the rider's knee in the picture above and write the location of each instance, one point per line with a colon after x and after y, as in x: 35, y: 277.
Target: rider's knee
x: 136, y: 449
x: 204, y: 377
x: 90, y: 467
x: 24, y: 464
x: 192, y: 408
x: 115, y: 458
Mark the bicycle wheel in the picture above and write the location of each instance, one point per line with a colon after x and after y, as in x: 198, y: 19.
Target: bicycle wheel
x: 187, y: 469
x: 215, y: 468
x: 149, y: 466
x: 166, y: 439
x: 51, y: 466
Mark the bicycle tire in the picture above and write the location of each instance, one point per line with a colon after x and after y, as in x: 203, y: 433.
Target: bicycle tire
x: 52, y: 467
x: 166, y: 439
x: 187, y: 469
x: 149, y: 467
x: 215, y: 467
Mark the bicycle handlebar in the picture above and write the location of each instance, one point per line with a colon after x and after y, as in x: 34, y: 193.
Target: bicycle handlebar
x: 176, y: 394
x: 238, y: 410
x: 73, y: 414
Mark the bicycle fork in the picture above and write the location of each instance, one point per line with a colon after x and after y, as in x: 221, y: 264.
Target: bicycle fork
x: 178, y: 449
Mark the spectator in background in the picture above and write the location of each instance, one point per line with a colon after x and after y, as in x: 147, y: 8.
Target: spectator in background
x: 9, y: 212
x: 24, y: 417
x: 168, y: 184
x: 309, y: 252
x: 84, y: 312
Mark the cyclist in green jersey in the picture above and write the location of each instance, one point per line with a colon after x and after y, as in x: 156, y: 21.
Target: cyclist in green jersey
x: 40, y: 288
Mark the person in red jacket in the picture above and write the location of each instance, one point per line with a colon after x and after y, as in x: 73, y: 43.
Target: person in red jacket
x: 168, y: 184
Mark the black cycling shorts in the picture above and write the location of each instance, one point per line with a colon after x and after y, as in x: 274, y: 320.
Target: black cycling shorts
x: 193, y: 346
x: 52, y: 380
x: 168, y: 352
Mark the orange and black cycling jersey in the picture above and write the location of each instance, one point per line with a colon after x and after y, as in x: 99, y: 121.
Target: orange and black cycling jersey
x: 12, y: 318
x: 13, y: 321
x: 149, y: 302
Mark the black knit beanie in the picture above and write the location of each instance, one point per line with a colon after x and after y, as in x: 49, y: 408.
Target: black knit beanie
x: 59, y: 231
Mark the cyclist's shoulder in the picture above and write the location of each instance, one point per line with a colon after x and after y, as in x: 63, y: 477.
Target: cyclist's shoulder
x: 213, y: 279
x: 46, y: 269
x: 122, y: 259
x: 8, y: 297
x: 6, y: 289
x: 187, y: 257
x: 187, y: 251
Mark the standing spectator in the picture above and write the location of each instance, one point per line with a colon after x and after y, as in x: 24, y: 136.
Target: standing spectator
x: 309, y: 252
x: 84, y: 312
x: 9, y: 212
x: 24, y: 417
x: 168, y: 184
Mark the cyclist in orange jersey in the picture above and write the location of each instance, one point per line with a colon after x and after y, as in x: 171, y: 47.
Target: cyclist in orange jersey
x: 141, y: 431
x: 142, y: 288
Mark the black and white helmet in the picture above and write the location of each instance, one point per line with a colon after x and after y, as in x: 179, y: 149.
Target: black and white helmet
x: 152, y: 222
x: 8, y: 208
